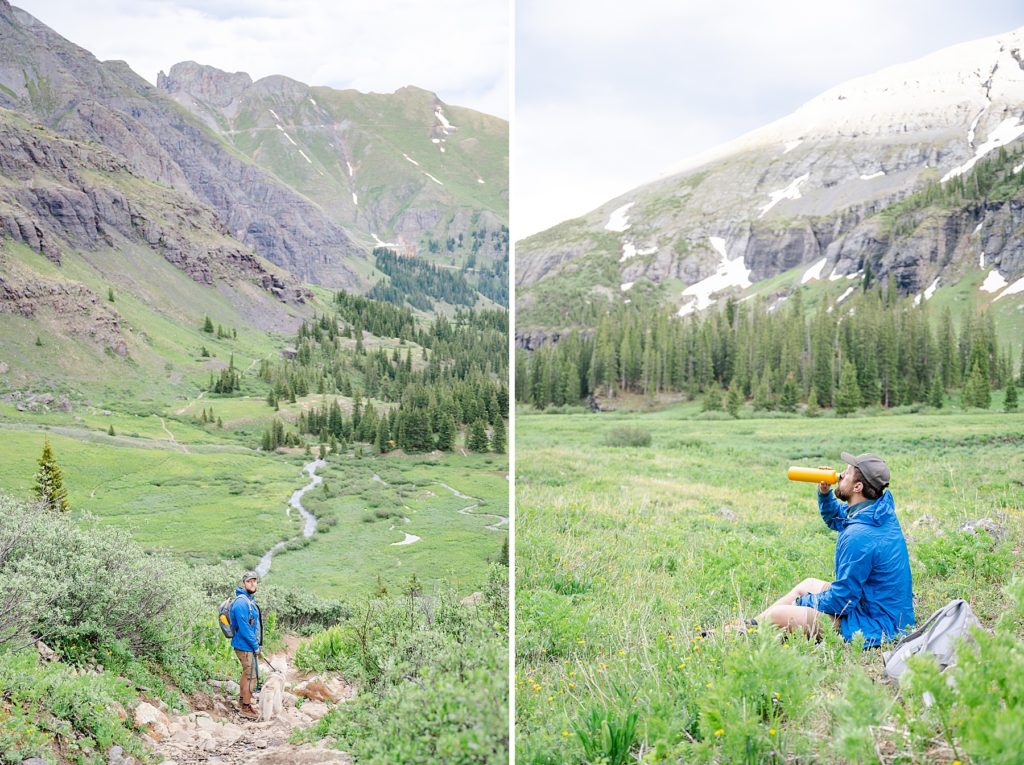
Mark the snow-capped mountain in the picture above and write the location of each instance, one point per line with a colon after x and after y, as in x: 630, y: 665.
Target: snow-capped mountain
x: 911, y: 172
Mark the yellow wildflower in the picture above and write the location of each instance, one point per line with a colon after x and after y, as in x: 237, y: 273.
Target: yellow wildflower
x: 720, y: 731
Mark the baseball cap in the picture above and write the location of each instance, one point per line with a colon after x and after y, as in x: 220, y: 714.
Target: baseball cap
x: 871, y: 466
x: 249, y: 575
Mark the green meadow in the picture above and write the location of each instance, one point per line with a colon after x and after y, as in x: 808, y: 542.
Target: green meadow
x: 625, y: 554
x: 361, y: 518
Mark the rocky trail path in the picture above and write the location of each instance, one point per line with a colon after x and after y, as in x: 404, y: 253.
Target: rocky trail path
x: 214, y: 732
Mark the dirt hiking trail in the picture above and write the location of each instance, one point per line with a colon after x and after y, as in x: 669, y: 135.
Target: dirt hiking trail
x: 214, y: 732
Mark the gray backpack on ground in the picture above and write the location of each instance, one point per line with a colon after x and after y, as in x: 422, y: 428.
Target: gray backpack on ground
x: 938, y: 636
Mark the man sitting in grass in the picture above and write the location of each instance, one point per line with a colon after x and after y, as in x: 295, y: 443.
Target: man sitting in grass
x: 872, y: 591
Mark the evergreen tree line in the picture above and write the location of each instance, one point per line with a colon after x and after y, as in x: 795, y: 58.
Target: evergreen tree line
x: 417, y: 281
x: 874, y: 349
x: 458, y: 378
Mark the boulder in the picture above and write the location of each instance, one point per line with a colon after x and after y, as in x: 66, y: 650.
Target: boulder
x: 996, y: 530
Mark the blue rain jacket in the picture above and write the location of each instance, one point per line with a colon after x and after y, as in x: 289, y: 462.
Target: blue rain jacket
x: 245, y: 621
x: 872, y: 591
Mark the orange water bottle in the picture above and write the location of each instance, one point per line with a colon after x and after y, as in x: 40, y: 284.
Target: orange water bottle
x: 812, y: 475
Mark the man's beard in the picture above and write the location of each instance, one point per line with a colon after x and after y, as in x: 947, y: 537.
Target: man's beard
x: 840, y: 494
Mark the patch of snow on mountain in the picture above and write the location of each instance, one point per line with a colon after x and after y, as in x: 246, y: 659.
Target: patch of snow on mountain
x: 276, y: 118
x: 993, y: 282
x: 687, y: 308
x: 286, y: 135
x: 442, y: 119
x: 480, y: 180
x: 380, y: 243
x: 312, y: 101
x: 981, y: 260
x: 871, y: 177
x: 626, y: 285
x: 628, y: 251
x: 619, y: 219
x: 977, y: 229
x: 792, y: 191
x: 410, y: 159
x: 814, y: 272
x: 355, y: 199
x: 777, y: 303
x: 435, y: 140
x: 854, y: 275
x: 1018, y: 168
x: 835, y: 276
x: 1013, y: 289
x: 433, y: 178
x: 917, y: 299
x: 931, y: 289
x: 351, y: 171
x: 974, y: 126
x: 849, y: 291
x: 305, y: 157
x: 1005, y: 131
x: 647, y: 250
x: 790, y: 145
x: 730, y: 273
x: 442, y: 149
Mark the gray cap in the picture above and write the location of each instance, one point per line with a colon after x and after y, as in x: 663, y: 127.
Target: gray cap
x: 871, y: 466
x: 253, y: 575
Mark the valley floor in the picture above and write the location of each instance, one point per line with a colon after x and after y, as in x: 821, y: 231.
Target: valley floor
x: 624, y: 555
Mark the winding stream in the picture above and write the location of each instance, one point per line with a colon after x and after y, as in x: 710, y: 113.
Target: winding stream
x: 309, y: 529
x: 468, y: 510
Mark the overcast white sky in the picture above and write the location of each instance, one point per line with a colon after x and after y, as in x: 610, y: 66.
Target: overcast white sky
x: 609, y: 94
x: 457, y: 48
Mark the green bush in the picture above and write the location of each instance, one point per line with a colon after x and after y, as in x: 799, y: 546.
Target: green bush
x: 433, y: 677
x: 627, y: 436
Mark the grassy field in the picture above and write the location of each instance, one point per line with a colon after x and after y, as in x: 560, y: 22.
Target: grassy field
x: 624, y: 554
x: 362, y: 517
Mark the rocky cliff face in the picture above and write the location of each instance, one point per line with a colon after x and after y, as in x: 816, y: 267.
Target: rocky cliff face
x: 399, y: 168
x: 58, y: 193
x: 64, y: 87
x: 822, y: 188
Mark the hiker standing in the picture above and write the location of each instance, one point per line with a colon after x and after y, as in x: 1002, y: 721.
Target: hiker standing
x: 872, y: 591
x: 248, y: 634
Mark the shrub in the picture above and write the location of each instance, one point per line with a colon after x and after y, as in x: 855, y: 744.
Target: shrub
x: 433, y: 674
x: 627, y: 436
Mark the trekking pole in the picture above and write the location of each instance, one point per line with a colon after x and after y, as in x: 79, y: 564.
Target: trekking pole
x: 268, y: 662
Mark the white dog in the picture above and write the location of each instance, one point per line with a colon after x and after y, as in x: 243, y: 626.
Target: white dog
x: 272, y: 692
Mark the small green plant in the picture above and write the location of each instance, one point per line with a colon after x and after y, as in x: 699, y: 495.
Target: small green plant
x: 627, y: 436
x: 606, y: 737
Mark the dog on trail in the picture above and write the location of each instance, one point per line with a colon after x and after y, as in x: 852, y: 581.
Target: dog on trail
x: 272, y: 693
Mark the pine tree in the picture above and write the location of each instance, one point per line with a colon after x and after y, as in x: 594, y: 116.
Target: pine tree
x: 735, y: 400
x: 383, y: 436
x: 477, y: 441
x: 208, y: 325
x: 712, y: 399
x: 812, y: 410
x: 49, y: 487
x: 446, y: 433
x: 110, y: 431
x: 110, y: 294
x: 1010, y: 401
x: 977, y: 391
x: 848, y: 395
x: 498, y: 437
x: 790, y: 395
x: 936, y: 393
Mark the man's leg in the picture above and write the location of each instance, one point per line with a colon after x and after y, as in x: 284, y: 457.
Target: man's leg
x: 785, y: 615
x: 245, y: 682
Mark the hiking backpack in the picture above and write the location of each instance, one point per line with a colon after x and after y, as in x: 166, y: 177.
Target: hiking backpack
x: 224, y: 617
x: 938, y: 636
